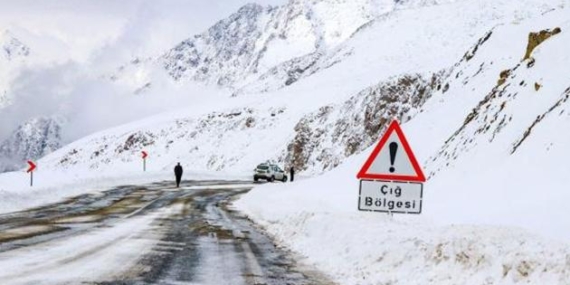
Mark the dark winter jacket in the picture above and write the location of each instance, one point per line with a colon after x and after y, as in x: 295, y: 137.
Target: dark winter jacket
x: 178, y: 171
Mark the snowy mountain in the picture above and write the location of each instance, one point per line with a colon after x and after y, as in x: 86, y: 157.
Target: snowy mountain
x: 317, y: 129
x: 257, y: 38
x: 481, y: 87
x: 281, y: 45
x: 32, y: 140
x: 261, y: 42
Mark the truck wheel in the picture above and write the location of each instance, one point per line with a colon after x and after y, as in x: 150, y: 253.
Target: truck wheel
x: 272, y: 179
x: 255, y: 179
x: 284, y: 179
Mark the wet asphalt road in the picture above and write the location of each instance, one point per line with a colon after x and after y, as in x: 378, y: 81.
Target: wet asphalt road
x: 192, y: 237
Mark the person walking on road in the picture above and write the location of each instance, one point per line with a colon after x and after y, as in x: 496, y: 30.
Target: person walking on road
x: 178, y: 173
x: 292, y: 173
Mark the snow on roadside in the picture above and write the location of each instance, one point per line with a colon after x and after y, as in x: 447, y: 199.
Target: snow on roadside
x: 317, y: 218
x: 494, y: 206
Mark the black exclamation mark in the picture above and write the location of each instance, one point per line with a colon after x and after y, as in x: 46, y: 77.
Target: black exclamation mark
x: 393, y: 150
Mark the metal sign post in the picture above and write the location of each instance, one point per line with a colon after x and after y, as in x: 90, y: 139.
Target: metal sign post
x: 144, y: 156
x: 32, y: 167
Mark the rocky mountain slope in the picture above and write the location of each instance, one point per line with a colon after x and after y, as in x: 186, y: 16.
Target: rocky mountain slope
x: 258, y: 43
x: 339, y: 111
x: 257, y: 38
x: 319, y: 134
x: 32, y: 140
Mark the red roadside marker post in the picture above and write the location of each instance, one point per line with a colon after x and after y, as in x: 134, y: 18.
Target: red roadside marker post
x: 32, y: 167
x: 144, y: 156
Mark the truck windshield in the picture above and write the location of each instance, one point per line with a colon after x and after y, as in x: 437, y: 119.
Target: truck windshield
x: 263, y: 167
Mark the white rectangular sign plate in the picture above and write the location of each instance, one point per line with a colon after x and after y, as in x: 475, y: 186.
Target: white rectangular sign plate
x: 390, y: 197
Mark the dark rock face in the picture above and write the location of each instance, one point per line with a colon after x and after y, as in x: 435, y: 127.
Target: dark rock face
x: 326, y: 137
x: 223, y: 52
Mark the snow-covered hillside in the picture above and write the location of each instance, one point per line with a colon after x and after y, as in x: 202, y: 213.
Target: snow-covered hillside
x: 287, y: 125
x: 277, y: 44
x: 329, y: 53
x: 496, y: 153
x: 258, y: 38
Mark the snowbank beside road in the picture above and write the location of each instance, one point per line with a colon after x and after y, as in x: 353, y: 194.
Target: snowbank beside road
x: 318, y: 219
x: 496, y: 153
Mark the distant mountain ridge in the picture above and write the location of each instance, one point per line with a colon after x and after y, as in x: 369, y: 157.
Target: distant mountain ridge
x: 32, y: 140
x: 273, y: 45
x: 308, y: 106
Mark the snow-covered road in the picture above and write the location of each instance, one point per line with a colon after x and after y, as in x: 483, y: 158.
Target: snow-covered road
x: 148, y: 234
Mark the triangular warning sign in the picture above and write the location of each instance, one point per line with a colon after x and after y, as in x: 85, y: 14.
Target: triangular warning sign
x: 392, y: 159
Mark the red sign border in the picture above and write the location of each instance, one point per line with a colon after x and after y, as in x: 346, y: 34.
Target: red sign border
x: 394, y: 127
